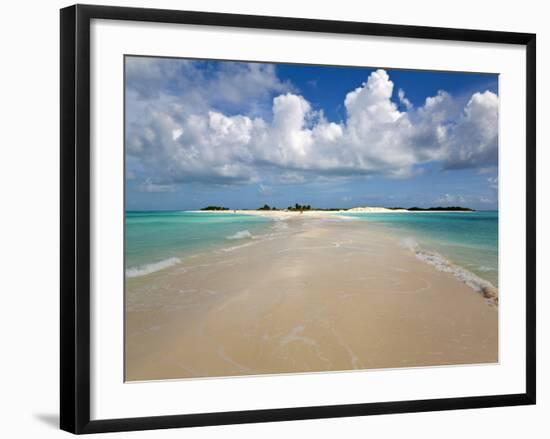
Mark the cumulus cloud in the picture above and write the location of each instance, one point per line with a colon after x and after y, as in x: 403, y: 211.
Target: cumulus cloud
x: 191, y: 85
x: 403, y: 99
x: 474, y: 140
x: 187, y: 136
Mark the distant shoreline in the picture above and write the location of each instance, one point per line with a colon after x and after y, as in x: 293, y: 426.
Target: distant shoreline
x: 308, y: 208
x: 320, y: 212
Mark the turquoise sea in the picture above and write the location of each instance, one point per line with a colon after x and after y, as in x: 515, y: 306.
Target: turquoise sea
x: 467, y: 239
x: 158, y: 239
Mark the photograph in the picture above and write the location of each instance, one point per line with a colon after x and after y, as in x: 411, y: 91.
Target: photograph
x: 295, y: 218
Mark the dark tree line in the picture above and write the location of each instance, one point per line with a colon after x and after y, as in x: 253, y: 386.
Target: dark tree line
x: 449, y: 209
x: 300, y: 207
x: 214, y: 208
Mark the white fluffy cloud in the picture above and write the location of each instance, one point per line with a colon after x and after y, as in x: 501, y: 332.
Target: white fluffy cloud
x: 191, y: 86
x: 474, y: 139
x: 183, y: 137
x: 403, y: 99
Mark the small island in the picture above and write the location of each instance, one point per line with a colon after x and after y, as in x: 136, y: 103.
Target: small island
x: 434, y: 209
x: 307, y: 207
x: 441, y: 209
x: 215, y: 208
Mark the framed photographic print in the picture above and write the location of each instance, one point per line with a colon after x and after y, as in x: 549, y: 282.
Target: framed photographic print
x: 267, y: 218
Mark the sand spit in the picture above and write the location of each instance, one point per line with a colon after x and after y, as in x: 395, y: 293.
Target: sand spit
x: 320, y: 294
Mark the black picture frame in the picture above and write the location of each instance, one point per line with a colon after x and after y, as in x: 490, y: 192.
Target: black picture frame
x: 75, y: 217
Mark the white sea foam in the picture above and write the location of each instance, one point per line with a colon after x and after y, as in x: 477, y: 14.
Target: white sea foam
x: 280, y: 225
x: 243, y: 234
x: 146, y: 269
x: 485, y: 268
x: 482, y: 286
x: 237, y: 247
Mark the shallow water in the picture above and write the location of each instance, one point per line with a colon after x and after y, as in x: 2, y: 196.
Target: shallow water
x: 305, y: 294
x: 156, y: 240
x: 467, y: 239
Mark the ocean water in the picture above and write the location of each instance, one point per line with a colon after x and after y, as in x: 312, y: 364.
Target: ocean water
x: 159, y: 239
x: 461, y: 243
x: 466, y: 239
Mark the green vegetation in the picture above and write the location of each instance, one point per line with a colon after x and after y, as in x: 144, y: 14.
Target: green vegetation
x: 214, y: 208
x: 439, y: 208
x: 299, y: 207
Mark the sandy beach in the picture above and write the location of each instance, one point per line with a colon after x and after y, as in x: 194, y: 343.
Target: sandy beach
x: 317, y: 293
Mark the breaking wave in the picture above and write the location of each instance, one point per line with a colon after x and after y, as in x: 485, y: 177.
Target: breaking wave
x: 243, y: 234
x: 485, y: 288
x: 146, y: 269
x: 486, y: 269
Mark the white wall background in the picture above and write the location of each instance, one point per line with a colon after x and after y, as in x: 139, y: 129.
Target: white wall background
x: 29, y: 249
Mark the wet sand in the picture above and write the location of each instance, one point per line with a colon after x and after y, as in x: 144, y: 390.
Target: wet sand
x: 317, y: 294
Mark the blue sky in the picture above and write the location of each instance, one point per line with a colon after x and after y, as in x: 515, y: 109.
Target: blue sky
x: 243, y: 134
